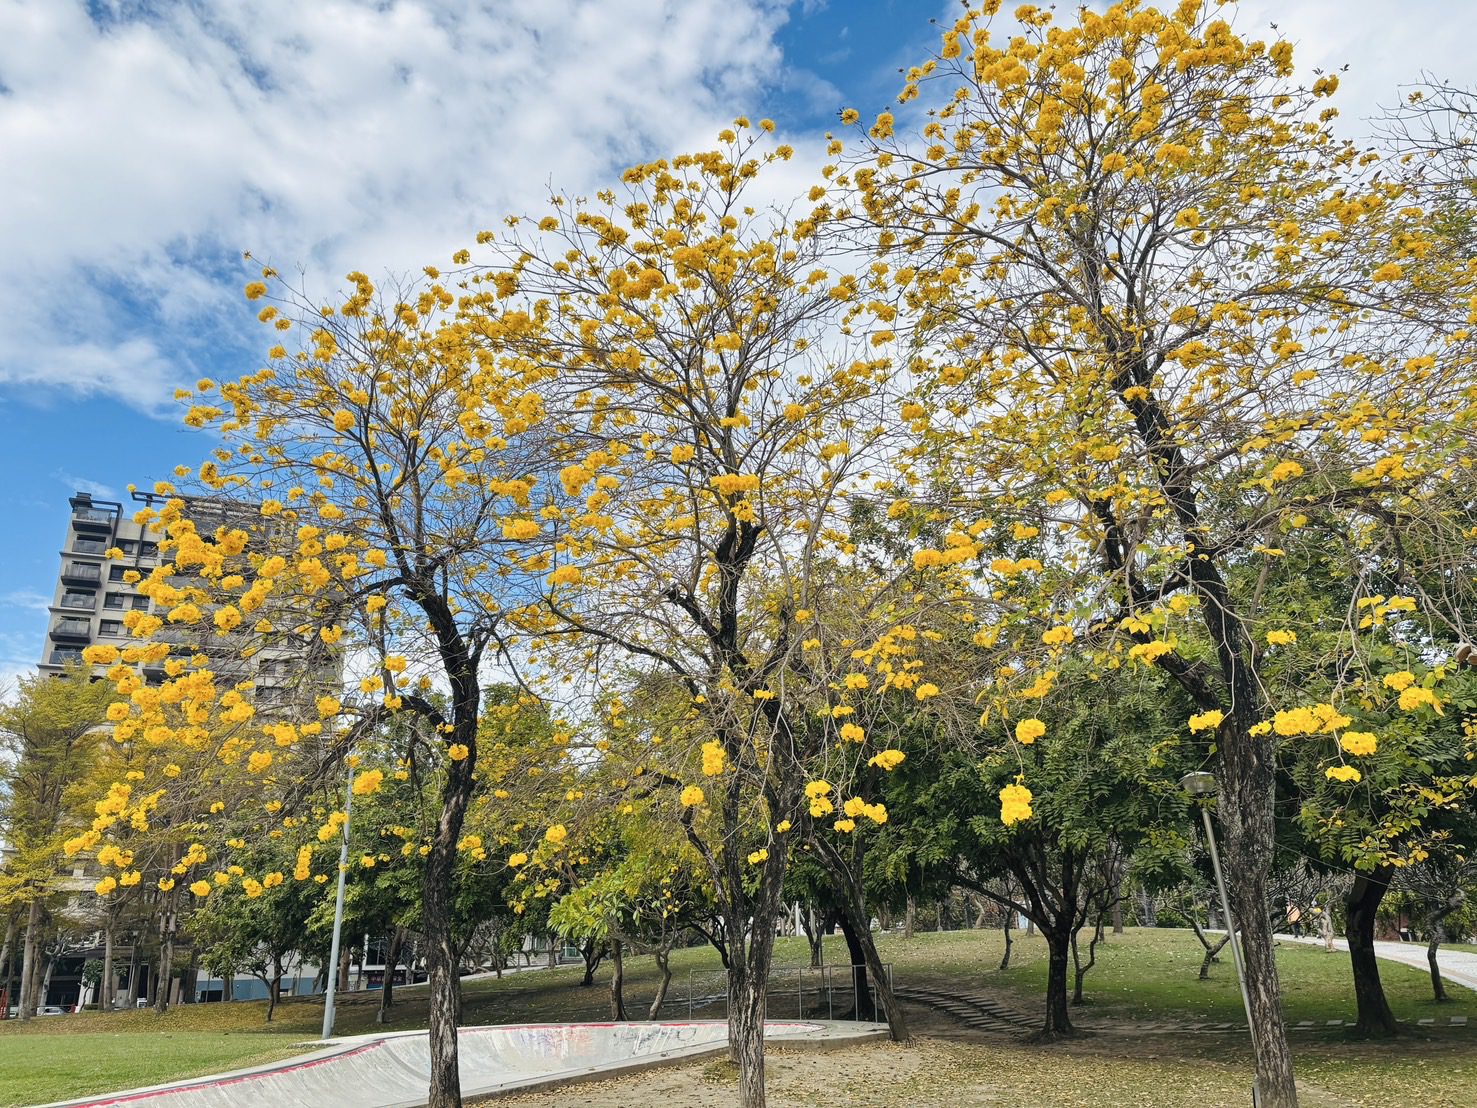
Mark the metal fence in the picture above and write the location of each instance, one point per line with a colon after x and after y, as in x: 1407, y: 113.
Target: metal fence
x: 799, y: 992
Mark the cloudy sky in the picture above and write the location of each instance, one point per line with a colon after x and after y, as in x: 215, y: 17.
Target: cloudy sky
x: 146, y: 144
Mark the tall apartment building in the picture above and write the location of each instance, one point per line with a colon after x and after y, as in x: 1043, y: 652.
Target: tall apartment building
x: 92, y: 598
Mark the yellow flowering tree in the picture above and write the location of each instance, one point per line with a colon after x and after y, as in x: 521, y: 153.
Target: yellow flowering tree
x: 353, y: 525
x: 49, y: 734
x: 1163, y: 331
x: 713, y: 421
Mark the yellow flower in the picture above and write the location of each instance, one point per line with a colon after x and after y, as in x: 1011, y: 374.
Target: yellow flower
x: 1015, y: 804
x: 566, y: 575
x: 845, y: 826
x: 782, y: 826
x: 692, y: 796
x: 368, y: 782
x: 1399, y: 681
x: 758, y: 856
x: 255, y: 290
x: 851, y: 733
x: 1028, y: 731
x: 1281, y: 638
x: 200, y: 888
x: 714, y: 759
x: 105, y: 886
x: 1358, y: 743
x: 556, y: 834
x: 1342, y: 773
x: 343, y: 420
x: 1206, y: 721
x: 458, y: 752
x: 1416, y: 696
x: 887, y: 760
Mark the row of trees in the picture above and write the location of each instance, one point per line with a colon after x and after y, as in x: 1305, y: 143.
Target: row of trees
x: 1105, y: 418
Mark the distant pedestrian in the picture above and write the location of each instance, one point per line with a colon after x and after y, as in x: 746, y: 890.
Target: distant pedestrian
x: 1295, y: 920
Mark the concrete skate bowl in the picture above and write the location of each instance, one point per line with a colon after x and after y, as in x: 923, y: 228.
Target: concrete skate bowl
x: 392, y: 1071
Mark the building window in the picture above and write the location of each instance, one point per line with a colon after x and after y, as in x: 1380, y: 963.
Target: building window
x: 140, y: 603
x: 150, y: 549
x: 110, y: 627
x: 86, y: 600
x: 115, y: 573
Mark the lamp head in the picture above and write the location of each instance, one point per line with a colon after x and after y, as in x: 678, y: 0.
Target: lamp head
x: 1198, y: 783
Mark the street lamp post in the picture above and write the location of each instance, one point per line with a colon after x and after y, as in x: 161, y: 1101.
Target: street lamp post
x: 1202, y: 784
x: 338, y: 910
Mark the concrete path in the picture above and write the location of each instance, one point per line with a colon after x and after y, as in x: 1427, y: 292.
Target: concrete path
x: 393, y: 1070
x: 1457, y: 966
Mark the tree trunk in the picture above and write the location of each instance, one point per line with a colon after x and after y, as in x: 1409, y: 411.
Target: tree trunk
x: 1005, y: 958
x: 105, y: 983
x: 746, y: 1032
x: 592, y: 952
x: 1058, y: 1023
x: 1246, y: 811
x: 1210, y: 956
x: 1080, y: 969
x: 392, y: 960
x: 664, y: 966
x: 135, y: 970
x: 345, y: 963
x: 1438, y: 989
x: 617, y: 981
x: 44, y: 990
x: 1117, y: 913
x: 815, y: 937
x: 911, y: 918
x: 857, y: 960
x: 228, y: 983
x: 1374, y: 1018
x: 438, y: 892
x: 26, y: 1004
x: 274, y: 987
x: 166, y: 962
x: 6, y: 950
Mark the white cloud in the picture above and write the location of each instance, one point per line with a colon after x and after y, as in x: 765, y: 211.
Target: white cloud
x: 144, y: 153
x: 83, y: 484
x: 26, y: 599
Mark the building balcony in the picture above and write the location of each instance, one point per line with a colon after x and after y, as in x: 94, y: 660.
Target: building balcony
x: 89, y: 546
x: 61, y: 657
x: 81, y: 573
x: 93, y: 520
x: 72, y: 630
x: 86, y: 601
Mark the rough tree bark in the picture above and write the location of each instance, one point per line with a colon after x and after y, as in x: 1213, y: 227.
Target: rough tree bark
x: 26, y: 1004
x: 387, y: 990
x: 617, y: 981
x: 664, y: 966
x: 1373, y: 1017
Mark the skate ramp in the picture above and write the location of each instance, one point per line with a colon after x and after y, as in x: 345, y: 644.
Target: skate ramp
x: 392, y: 1071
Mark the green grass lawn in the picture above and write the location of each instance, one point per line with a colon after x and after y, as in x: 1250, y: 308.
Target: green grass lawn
x: 40, y: 1067
x: 1142, y: 975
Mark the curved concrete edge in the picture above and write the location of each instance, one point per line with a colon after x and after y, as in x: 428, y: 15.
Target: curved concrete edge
x: 833, y: 1035
x: 827, y: 1035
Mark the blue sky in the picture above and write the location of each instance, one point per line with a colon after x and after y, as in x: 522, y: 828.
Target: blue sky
x: 146, y: 145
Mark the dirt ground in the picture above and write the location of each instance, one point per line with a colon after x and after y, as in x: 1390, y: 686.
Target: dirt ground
x: 947, y: 1066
